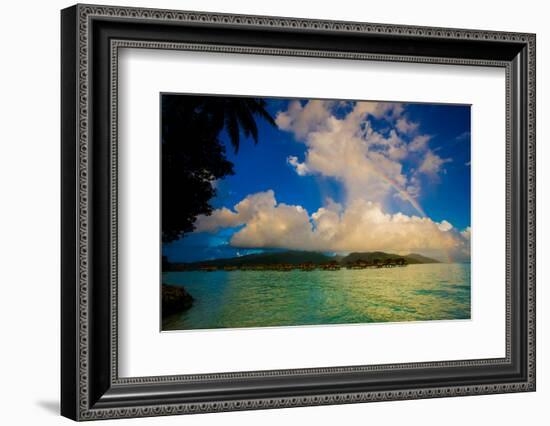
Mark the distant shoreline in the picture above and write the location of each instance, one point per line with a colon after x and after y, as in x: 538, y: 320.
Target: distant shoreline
x: 285, y: 268
x: 298, y: 260
x: 281, y: 268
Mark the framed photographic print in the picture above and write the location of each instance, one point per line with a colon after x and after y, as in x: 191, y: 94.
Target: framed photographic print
x: 263, y: 212
x: 358, y: 167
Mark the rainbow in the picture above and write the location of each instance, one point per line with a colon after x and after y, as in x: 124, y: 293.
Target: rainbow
x: 403, y: 193
x: 408, y: 197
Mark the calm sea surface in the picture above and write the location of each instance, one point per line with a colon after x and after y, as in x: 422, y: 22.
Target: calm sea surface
x: 235, y: 299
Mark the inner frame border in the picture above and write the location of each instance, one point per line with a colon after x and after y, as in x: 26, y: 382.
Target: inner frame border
x: 116, y: 45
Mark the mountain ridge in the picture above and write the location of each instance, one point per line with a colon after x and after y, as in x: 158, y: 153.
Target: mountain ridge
x: 411, y: 258
x: 294, y: 257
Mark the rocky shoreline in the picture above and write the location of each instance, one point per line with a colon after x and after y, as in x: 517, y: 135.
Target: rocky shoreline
x: 175, y: 300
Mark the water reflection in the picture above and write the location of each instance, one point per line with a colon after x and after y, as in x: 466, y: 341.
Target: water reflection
x: 269, y: 298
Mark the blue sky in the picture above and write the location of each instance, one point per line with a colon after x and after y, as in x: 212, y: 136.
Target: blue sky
x: 406, y: 163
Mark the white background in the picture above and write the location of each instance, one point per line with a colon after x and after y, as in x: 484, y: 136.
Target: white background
x: 146, y: 352
x: 29, y: 225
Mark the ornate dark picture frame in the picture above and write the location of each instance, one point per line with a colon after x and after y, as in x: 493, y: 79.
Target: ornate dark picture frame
x: 91, y: 37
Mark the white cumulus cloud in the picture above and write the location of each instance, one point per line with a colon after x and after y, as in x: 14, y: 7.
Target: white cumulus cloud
x: 368, y: 162
x: 432, y: 164
x: 360, y: 226
x: 242, y: 213
x: 419, y: 143
x: 301, y: 168
x: 406, y: 126
x: 348, y: 149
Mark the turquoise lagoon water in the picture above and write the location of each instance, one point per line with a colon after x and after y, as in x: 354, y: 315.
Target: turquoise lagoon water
x: 234, y: 299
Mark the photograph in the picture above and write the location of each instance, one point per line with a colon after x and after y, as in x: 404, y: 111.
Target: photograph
x: 280, y: 212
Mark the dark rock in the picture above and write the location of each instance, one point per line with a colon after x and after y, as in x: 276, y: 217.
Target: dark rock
x: 175, y: 300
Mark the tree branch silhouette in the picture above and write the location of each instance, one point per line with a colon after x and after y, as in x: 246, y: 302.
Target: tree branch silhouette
x: 193, y: 157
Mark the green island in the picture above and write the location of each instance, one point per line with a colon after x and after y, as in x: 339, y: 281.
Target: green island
x: 301, y: 260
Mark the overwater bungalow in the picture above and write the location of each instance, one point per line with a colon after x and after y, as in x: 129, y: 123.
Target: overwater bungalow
x: 392, y: 263
x: 284, y: 267
x: 358, y: 264
x: 208, y: 268
x: 307, y: 266
x: 230, y: 268
x: 330, y: 266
